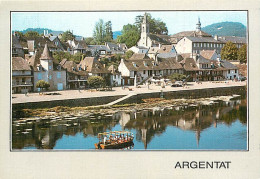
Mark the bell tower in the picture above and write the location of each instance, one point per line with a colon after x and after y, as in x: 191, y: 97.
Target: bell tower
x: 198, y: 26
x: 144, y: 31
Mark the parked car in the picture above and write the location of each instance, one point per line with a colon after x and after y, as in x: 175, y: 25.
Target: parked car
x: 242, y: 78
x: 177, y: 84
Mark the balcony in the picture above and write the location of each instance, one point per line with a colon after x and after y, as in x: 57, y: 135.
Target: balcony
x: 14, y: 84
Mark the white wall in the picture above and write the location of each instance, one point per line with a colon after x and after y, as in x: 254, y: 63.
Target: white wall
x: 184, y: 46
x: 123, y: 69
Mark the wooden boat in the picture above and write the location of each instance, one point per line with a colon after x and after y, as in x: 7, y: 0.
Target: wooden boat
x: 114, y: 140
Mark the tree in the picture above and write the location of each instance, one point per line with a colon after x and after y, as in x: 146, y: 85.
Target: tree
x: 156, y: 26
x: 59, y: 55
x: 31, y: 34
x: 99, y: 32
x: 78, y: 57
x: 229, y: 51
x: 242, y: 54
x: 19, y: 34
x: 90, y: 41
x: 130, y: 35
x: 42, y: 85
x: 177, y: 77
x: 67, y: 36
x: 108, y: 32
x: 129, y: 54
x: 96, y: 81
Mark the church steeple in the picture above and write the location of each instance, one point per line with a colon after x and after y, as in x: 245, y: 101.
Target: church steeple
x: 198, y: 25
x: 145, y: 25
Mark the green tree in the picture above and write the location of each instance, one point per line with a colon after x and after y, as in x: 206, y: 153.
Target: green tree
x: 59, y: 55
x: 108, y: 32
x: 90, y: 41
x: 19, y: 34
x: 99, y: 32
x: 78, y: 57
x: 229, y: 51
x: 156, y: 26
x: 31, y: 34
x: 130, y: 35
x: 129, y: 54
x: 42, y: 85
x: 96, y: 81
x: 177, y: 77
x: 242, y: 54
x: 67, y: 36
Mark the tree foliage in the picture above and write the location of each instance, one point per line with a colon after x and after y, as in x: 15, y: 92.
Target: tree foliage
x: 242, y: 54
x: 103, y: 32
x: 96, y: 81
x: 90, y: 41
x: 129, y: 54
x: 177, y: 77
x: 156, y: 26
x: 59, y: 55
x: 67, y: 36
x: 31, y: 34
x: 42, y: 84
x: 229, y: 51
x: 130, y: 35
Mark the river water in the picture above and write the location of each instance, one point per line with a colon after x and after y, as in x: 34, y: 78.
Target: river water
x: 219, y: 126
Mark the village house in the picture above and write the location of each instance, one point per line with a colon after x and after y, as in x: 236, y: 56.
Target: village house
x: 141, y: 69
x: 17, y: 49
x: 116, y: 77
x: 21, y: 76
x: 98, y: 50
x: 115, y: 48
x: 139, y: 49
x: 76, y: 76
x: 57, y: 42
x: 94, y: 67
x: 44, y: 68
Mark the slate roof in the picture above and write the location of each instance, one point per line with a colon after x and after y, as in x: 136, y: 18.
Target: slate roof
x: 39, y: 42
x: 233, y: 39
x: 228, y: 65
x: 165, y: 48
x: 191, y: 34
x: 46, y: 54
x: 92, y: 65
x: 20, y: 64
x: 189, y: 64
x: 52, y: 38
x: 158, y: 39
x: 148, y: 64
x: 72, y: 67
x: 153, y: 50
x: 138, y: 56
x: 203, y: 39
x: 166, y: 55
x: 98, y: 48
x: 207, y: 53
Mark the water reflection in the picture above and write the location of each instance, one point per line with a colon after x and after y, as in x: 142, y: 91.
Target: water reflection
x: 153, y: 128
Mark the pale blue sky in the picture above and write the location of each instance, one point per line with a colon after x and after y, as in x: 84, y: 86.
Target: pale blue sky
x: 82, y: 23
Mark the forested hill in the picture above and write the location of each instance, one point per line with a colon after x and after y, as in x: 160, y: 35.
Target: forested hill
x: 226, y: 29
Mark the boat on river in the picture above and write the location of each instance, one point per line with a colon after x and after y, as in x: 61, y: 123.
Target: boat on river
x: 114, y: 140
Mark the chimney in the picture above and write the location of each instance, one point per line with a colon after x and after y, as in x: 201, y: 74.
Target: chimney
x: 216, y: 37
x: 159, y: 45
x: 44, y: 32
x: 104, y: 65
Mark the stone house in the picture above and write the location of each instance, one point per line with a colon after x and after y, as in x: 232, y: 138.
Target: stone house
x: 115, y: 48
x: 116, y: 77
x: 76, y: 76
x: 45, y: 68
x: 17, y: 49
x: 22, y: 76
x: 145, y: 68
x: 139, y: 49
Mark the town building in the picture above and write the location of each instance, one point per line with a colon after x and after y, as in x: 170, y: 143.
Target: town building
x: 17, y: 49
x: 139, y: 49
x: 116, y: 48
x: 116, y: 77
x: 45, y: 68
x: 22, y: 76
x: 76, y: 76
x: 151, y: 40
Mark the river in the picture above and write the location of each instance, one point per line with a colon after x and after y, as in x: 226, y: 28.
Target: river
x: 221, y: 125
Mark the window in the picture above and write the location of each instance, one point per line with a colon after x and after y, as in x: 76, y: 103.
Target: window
x: 217, y: 45
x: 200, y: 44
x: 50, y: 77
x: 235, y: 71
x: 58, y: 74
x: 228, y: 71
x: 204, y: 44
x: 144, y: 72
x: 23, y: 80
x: 50, y: 67
x: 214, y: 45
x: 208, y: 44
x: 39, y: 76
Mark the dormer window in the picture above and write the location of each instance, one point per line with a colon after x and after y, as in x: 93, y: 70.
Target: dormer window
x: 73, y: 68
x: 58, y: 67
x: 80, y: 68
x: 145, y: 64
x: 39, y: 67
x: 134, y: 64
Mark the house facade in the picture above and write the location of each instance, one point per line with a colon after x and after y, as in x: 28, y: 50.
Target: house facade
x: 22, y: 77
x: 45, y: 69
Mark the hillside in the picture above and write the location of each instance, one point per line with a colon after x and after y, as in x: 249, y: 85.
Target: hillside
x: 226, y: 29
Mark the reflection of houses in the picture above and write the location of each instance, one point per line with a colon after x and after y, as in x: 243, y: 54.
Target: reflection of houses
x: 76, y: 76
x: 21, y: 76
x: 44, y: 68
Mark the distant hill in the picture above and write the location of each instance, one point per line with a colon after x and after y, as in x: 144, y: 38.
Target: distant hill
x: 41, y: 30
x: 226, y: 29
x: 116, y: 33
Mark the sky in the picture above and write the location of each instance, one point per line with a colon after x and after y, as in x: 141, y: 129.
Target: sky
x: 82, y: 23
